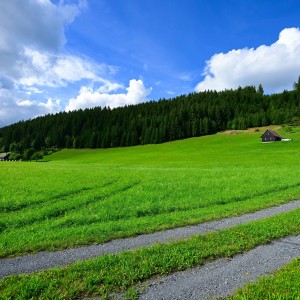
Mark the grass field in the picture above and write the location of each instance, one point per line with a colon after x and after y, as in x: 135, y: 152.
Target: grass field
x: 88, y: 196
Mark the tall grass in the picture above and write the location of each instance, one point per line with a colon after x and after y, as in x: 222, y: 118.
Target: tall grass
x: 88, y: 196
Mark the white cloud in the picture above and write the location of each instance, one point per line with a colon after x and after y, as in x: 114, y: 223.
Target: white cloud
x: 43, y: 69
x: 276, y: 66
x: 31, y: 40
x: 15, y: 106
x: 33, y: 24
x: 34, y: 63
x: 136, y: 93
x: 25, y: 103
x: 33, y: 59
x: 185, y: 77
x: 171, y: 93
x: 32, y: 44
x: 50, y: 105
x: 108, y: 87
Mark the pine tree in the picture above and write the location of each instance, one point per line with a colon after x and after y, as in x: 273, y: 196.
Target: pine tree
x: 260, y: 89
x: 297, y: 85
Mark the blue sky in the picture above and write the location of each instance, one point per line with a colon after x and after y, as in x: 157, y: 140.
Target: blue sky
x: 65, y: 55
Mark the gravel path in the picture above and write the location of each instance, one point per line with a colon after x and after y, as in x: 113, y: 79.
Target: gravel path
x: 47, y: 260
x: 220, y: 278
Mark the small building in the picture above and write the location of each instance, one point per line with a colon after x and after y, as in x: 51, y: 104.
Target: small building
x: 4, y: 156
x: 271, y: 136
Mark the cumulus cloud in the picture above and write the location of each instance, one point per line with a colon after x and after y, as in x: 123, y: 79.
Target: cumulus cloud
x: 31, y: 54
x: 88, y: 97
x: 35, y: 24
x: 43, y: 69
x: 276, y: 66
x: 16, y: 106
x: 34, y: 63
x: 33, y: 58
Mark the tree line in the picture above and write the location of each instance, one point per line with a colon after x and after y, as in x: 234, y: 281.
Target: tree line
x: 185, y: 116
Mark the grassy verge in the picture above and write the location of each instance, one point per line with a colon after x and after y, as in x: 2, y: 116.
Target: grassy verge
x: 283, y: 284
x: 112, y: 273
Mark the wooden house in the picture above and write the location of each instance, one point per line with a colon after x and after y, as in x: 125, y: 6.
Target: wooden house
x: 4, y: 156
x: 271, y: 136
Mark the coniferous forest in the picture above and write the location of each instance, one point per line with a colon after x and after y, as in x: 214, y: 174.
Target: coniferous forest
x: 160, y: 121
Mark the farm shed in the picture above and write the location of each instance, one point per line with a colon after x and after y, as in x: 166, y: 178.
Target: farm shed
x: 4, y: 156
x: 271, y: 136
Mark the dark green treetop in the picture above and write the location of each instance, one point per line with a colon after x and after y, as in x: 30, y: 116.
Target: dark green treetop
x: 297, y: 85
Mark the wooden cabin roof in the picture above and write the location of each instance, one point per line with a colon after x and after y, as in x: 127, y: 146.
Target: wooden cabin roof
x: 273, y: 133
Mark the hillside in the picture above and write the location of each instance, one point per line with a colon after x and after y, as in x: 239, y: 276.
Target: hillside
x: 182, y: 117
x: 222, y: 148
x: 78, y: 197
x: 163, y: 186
x: 91, y: 196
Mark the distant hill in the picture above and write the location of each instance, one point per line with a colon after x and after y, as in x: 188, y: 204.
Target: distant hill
x: 153, y: 122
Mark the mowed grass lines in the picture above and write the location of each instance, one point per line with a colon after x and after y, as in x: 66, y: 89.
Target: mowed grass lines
x: 91, y: 196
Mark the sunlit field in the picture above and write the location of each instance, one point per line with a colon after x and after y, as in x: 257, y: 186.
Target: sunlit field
x: 78, y: 197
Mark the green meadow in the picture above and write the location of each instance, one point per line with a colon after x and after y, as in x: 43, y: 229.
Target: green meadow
x: 81, y: 197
